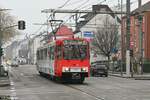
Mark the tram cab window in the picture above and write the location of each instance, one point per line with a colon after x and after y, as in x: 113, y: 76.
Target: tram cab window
x: 75, y: 52
x: 59, y: 52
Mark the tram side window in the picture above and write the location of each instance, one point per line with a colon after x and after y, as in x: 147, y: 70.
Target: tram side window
x: 38, y: 56
x: 41, y: 54
x: 45, y: 53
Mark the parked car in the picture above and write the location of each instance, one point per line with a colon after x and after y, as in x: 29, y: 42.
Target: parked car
x: 99, y: 69
x: 3, y: 70
x: 14, y: 64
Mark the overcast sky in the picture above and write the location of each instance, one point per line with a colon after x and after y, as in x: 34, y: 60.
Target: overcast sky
x: 30, y: 10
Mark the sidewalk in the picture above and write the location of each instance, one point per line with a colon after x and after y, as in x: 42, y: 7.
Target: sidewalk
x: 4, y: 81
x: 145, y: 76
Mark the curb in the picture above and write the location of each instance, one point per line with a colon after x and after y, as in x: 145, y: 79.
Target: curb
x: 136, y: 78
x: 142, y: 78
x: 119, y: 76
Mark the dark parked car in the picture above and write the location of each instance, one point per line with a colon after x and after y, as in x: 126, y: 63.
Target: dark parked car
x: 99, y: 69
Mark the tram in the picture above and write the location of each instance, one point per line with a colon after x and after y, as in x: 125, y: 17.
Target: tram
x: 65, y: 59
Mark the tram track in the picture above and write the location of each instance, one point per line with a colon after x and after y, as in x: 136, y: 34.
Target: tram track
x: 84, y: 92
x: 77, y: 89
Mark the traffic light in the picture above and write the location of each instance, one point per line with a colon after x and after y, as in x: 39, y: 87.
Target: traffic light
x: 1, y: 51
x: 131, y: 53
x: 21, y: 25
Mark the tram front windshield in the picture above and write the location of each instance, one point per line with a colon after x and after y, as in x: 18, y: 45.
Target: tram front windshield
x: 75, y: 52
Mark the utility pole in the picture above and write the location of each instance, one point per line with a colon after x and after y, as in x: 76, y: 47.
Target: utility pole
x: 1, y: 34
x: 139, y: 3
x: 76, y: 21
x: 128, y: 39
x: 140, y: 20
x: 121, y: 68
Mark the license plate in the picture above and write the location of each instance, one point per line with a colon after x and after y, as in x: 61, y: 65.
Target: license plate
x: 75, y: 70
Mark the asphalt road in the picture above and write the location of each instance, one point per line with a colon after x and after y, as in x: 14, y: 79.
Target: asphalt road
x: 27, y: 84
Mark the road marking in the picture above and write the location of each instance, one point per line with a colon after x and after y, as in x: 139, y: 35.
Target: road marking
x: 12, y: 88
x: 13, y: 98
x: 13, y: 95
x: 11, y: 83
x: 21, y: 74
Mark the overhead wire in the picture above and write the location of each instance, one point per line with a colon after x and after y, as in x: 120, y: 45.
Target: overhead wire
x: 85, y: 6
x: 73, y: 3
x: 77, y: 8
x: 52, y: 14
x: 64, y: 4
x: 81, y: 7
x: 91, y: 5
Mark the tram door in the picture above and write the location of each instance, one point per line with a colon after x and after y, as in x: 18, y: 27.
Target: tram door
x: 51, y: 59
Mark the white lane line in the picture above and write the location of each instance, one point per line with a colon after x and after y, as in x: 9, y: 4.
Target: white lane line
x: 11, y: 83
x: 12, y: 88
x: 13, y: 95
x: 21, y: 74
x: 14, y: 98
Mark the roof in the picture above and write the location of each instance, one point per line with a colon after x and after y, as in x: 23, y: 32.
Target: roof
x: 63, y: 31
x: 89, y: 16
x: 145, y: 7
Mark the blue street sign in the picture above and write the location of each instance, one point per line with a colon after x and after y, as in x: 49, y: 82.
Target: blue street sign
x: 88, y: 34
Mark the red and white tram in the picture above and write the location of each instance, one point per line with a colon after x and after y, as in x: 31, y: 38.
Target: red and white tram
x: 66, y: 59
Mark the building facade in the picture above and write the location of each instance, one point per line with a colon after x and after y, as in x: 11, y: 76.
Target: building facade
x: 139, y: 34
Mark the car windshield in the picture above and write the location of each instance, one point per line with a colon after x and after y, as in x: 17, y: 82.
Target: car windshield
x: 100, y: 65
x: 75, y: 52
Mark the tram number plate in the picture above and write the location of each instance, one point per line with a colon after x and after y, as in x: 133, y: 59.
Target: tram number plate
x: 75, y: 70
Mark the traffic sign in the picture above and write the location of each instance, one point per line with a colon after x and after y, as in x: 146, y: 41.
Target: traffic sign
x: 88, y: 34
x: 21, y: 25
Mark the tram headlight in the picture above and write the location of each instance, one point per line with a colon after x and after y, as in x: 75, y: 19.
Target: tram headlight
x: 66, y: 69
x: 84, y: 69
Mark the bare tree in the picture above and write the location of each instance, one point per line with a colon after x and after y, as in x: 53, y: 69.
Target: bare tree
x: 106, y: 38
x: 6, y: 31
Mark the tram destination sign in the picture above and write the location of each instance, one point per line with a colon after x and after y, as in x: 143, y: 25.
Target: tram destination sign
x: 75, y: 42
